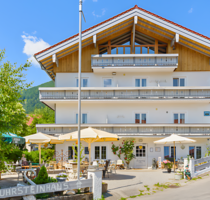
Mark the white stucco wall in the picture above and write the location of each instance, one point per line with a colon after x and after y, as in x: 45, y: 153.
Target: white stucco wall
x: 150, y: 144
x: 128, y: 79
x: 124, y: 112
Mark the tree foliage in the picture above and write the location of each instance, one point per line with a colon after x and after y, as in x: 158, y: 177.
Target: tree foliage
x: 12, y: 113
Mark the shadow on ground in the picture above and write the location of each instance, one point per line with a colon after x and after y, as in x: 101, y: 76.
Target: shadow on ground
x: 118, y: 177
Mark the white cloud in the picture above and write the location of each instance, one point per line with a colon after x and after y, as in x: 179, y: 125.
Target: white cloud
x: 190, y: 11
x: 102, y: 13
x: 32, y: 46
x: 95, y: 0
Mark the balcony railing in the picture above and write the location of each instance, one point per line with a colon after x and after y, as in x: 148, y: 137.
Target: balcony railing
x: 117, y: 94
x: 129, y: 129
x: 134, y: 60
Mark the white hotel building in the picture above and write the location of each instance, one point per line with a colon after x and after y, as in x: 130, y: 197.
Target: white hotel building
x: 143, y: 77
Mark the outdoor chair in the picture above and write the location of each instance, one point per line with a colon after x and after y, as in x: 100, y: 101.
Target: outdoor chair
x: 95, y: 163
x: 51, y: 165
x: 119, y: 164
x: 70, y: 171
x: 106, y: 169
x: 112, y: 166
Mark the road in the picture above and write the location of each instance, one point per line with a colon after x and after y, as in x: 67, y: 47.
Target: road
x: 195, y: 190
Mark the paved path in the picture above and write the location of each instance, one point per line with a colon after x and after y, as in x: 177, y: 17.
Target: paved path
x: 128, y: 182
x: 194, y: 190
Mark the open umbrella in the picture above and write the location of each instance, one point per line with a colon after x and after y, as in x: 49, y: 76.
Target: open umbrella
x: 13, y: 138
x: 174, y: 139
x: 90, y: 135
x: 41, y: 138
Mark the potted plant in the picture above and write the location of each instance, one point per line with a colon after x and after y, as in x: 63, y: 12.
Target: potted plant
x: 61, y: 177
x: 179, y: 175
x: 168, y: 165
x: 104, y: 187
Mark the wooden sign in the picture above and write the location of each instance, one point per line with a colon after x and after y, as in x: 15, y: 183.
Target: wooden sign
x: 44, y: 188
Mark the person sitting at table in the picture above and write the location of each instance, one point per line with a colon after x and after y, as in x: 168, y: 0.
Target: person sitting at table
x: 24, y: 162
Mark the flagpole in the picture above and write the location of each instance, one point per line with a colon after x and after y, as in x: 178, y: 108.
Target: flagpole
x: 79, y: 89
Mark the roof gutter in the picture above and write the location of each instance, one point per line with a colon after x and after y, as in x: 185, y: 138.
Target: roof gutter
x: 43, y: 68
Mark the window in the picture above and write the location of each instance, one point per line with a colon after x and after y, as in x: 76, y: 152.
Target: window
x: 198, y: 152
x: 137, y: 82
x: 178, y: 82
x: 192, y: 151
x: 142, y: 81
x: 86, y: 150
x: 195, y: 152
x: 84, y: 82
x: 143, y: 119
x: 70, y: 153
x: 83, y: 120
x: 166, y: 152
x: 97, y: 152
x: 103, y: 152
x: 100, y: 152
x: 108, y: 82
x: 172, y: 152
x: 137, y: 118
x: 179, y: 118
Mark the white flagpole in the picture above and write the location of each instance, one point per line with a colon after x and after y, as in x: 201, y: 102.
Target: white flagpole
x: 79, y: 89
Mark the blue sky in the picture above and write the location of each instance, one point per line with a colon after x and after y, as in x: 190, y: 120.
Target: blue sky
x: 28, y: 26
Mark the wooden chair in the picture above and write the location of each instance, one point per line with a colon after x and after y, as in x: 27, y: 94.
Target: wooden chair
x: 106, y: 169
x: 52, y: 165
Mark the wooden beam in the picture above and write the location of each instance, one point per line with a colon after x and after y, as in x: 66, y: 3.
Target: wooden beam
x: 174, y: 41
x: 109, y: 47
x: 55, y: 59
x: 156, y: 46
x: 94, y: 40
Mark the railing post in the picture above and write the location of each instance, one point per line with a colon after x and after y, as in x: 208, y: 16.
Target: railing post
x: 64, y: 94
x: 192, y: 167
x: 96, y: 175
x: 155, y: 61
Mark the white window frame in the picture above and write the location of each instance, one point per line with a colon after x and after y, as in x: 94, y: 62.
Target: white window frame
x: 73, y: 152
x: 141, y: 116
x: 81, y: 117
x: 100, y: 146
x: 81, y: 81
x: 107, y: 78
x: 195, y: 150
x: 180, y: 77
x: 179, y: 112
x: 140, y: 81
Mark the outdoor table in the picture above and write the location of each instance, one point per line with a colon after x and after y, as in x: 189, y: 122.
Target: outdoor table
x: 33, y: 166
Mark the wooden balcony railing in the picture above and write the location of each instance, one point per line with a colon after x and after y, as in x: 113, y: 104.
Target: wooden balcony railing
x: 134, y: 60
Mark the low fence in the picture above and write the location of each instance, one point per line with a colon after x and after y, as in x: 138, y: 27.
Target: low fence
x: 94, y: 177
x: 198, y: 166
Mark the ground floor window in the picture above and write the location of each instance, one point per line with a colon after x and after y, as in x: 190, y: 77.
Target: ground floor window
x: 86, y: 150
x: 100, y: 152
x: 195, y: 152
x: 70, y: 153
x: 169, y: 152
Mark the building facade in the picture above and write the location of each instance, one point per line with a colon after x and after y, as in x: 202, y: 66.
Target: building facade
x: 143, y: 77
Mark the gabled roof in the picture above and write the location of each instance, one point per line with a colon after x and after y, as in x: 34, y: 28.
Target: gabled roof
x: 135, y: 7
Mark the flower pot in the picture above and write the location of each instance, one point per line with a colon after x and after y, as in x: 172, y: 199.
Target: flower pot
x: 169, y: 170
x: 178, y: 176
x: 104, y: 187
x: 61, y: 179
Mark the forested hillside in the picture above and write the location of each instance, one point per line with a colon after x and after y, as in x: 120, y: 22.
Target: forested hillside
x: 31, y: 97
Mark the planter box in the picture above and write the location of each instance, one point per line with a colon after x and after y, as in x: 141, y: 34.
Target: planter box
x: 178, y: 176
x: 61, y: 179
x: 104, y: 187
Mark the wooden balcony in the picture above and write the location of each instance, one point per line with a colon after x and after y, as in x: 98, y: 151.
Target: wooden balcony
x: 134, y: 62
x: 132, y: 130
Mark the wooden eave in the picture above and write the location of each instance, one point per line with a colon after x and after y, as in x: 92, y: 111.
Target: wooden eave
x: 126, y: 25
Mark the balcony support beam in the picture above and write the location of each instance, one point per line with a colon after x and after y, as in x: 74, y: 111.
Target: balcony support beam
x: 55, y: 59
x: 174, y: 41
x: 94, y: 40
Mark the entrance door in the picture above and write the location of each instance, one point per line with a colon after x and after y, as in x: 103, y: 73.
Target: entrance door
x: 141, y: 156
